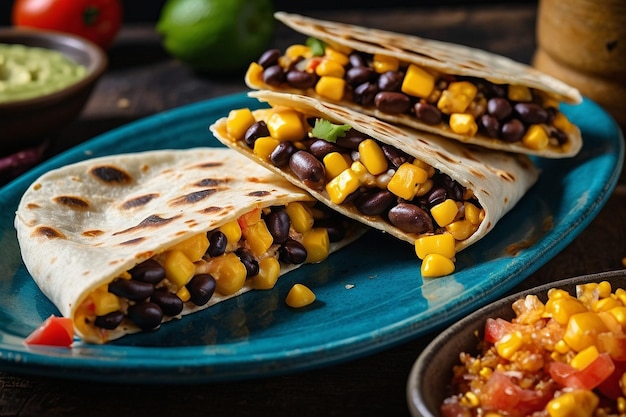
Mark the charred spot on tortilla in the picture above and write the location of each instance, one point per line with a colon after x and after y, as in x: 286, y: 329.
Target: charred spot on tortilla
x: 210, y: 182
x: 73, y: 202
x: 49, y: 232
x: 193, y: 198
x: 212, y: 209
x: 209, y: 165
x: 259, y: 193
x: 139, y: 201
x: 132, y: 241
x: 150, y: 221
x: 33, y: 206
x: 111, y: 174
x: 93, y: 233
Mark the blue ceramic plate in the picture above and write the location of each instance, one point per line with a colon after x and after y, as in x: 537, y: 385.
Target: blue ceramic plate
x: 370, y: 295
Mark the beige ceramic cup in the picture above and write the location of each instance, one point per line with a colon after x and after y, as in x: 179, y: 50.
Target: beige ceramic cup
x: 583, y: 43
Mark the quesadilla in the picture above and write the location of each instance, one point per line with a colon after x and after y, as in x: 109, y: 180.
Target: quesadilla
x: 462, y: 93
x: 123, y: 243
x: 407, y: 183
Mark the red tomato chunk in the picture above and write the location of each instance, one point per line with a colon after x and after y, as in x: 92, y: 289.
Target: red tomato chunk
x: 54, y: 331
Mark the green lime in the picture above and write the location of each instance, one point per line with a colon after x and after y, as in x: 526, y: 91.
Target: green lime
x: 216, y: 35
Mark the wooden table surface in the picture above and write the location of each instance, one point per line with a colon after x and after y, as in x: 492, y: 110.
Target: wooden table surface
x: 141, y: 81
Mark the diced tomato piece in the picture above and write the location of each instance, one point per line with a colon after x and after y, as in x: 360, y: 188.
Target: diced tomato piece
x: 249, y: 218
x: 54, y: 331
x: 589, y: 378
x: 495, y: 329
x: 503, y: 394
x: 610, y: 387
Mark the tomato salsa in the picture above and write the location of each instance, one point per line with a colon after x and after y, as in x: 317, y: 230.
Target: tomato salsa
x: 562, y: 358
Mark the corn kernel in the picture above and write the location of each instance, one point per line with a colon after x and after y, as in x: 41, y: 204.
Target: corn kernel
x: 299, y: 296
x: 178, y: 268
x: 263, y: 147
x: 509, y: 344
x: 442, y: 244
x: 604, y: 289
x: 430, y: 170
x: 535, y: 138
x: 582, y: 329
x: 194, y: 247
x: 184, y: 294
x: 286, y: 125
x: 584, y: 357
x: 317, y: 244
x: 621, y: 405
x: 519, y: 93
x: 561, y: 347
x: 104, y: 302
x: 470, y: 399
x: 361, y: 173
x: 335, y: 163
x: 473, y: 214
x: 563, y: 307
x: 258, y: 238
x: 372, y: 156
x: 406, y: 180
x: 485, y: 372
x: 424, y: 188
x: 300, y: 217
x: 232, y: 231
x: 229, y: 273
x: 577, y: 403
x: 463, y: 124
x: 332, y: 88
x: 298, y: 50
x: 418, y: 82
x: 461, y: 229
x: 435, y: 265
x: 342, y: 186
x: 384, y: 63
x: 336, y: 56
x: 445, y: 212
x: 238, y: 121
x: 605, y: 304
x: 330, y: 68
x: 457, y: 97
x: 269, y: 271
x: 561, y: 122
x: 619, y: 313
x: 255, y: 73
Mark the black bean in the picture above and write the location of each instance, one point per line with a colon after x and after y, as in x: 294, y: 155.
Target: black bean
x: 559, y: 135
x: 281, y: 153
x: 356, y: 60
x: 149, y: 271
x: 320, y: 148
x: 491, y: 125
x: 131, y: 289
x: 292, y: 252
x: 512, y: 131
x: 278, y: 224
x: 410, y: 218
x: 109, y: 321
x: 390, y: 81
x: 531, y: 113
x: 351, y: 140
x: 358, y: 75
x: 308, y: 168
x: 301, y: 79
x: 391, y: 102
x: 257, y: 130
x: 274, y: 75
x: 427, y: 113
x: 455, y: 190
x: 217, y: 243
x: 499, y: 107
x: 246, y: 258
x: 170, y: 303
x: 146, y: 316
x: 395, y: 156
x: 365, y: 94
x: 334, y: 227
x: 374, y: 202
x: 435, y: 196
x: 269, y: 58
x: 201, y: 288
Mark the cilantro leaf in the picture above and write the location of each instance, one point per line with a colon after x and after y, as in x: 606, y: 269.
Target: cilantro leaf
x: 328, y: 131
x: 317, y: 46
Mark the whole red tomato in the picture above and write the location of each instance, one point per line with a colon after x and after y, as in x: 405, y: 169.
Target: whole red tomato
x: 96, y: 20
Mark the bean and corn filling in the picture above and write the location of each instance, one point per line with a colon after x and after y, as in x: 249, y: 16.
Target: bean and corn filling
x: 465, y: 105
x: 562, y: 358
x: 249, y: 250
x: 357, y: 171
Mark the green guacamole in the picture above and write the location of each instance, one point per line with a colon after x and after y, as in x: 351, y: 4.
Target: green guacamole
x: 27, y: 72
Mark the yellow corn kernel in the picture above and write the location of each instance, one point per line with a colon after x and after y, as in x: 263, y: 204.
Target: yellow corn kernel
x: 577, y: 403
x: 604, y: 289
x: 535, y: 138
x: 194, y: 248
x: 258, y: 238
x: 372, y: 156
x: 330, y: 68
x: 269, y: 271
x: 582, y: 329
x: 332, y: 88
x: 430, y: 170
x: 561, y: 347
x: 255, y: 73
x: 519, y: 93
x: 406, y: 180
x: 424, y: 188
x: 583, y: 358
x: 232, y: 231
x: 470, y: 399
x: 461, y: 229
x: 317, y: 244
x: 184, y: 294
x: 620, y: 293
x: 556, y: 293
x: 418, y: 82
x: 605, y: 304
x: 286, y: 125
x: 178, y: 268
x: 104, y: 302
x: 485, y: 372
x: 563, y: 307
x: 445, y: 212
x: 238, y: 121
x: 299, y: 296
x: 361, y: 173
x: 473, y: 214
x: 621, y: 404
x: 298, y: 50
x: 300, y: 217
x: 384, y: 63
x: 335, y: 163
x: 336, y: 56
x: 463, y: 124
x: 619, y: 313
x: 263, y: 147
x: 342, y: 186
x: 442, y: 244
x: 561, y: 122
x: 457, y: 97
x: 229, y: 273
x: 435, y: 265
x: 509, y: 344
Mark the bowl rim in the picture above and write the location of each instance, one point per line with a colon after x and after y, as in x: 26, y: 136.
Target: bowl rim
x: 98, y: 62
x: 414, y: 386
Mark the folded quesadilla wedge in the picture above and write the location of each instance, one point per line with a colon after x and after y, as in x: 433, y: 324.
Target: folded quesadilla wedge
x: 123, y: 243
x: 462, y: 93
x: 408, y: 183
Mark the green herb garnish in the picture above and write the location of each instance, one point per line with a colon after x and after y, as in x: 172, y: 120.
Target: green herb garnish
x: 328, y: 131
x: 317, y: 46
